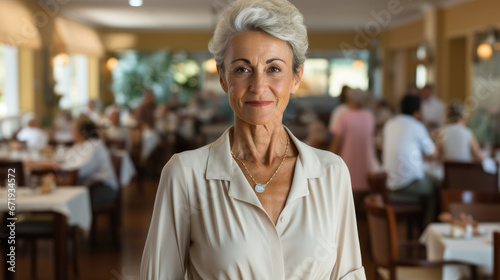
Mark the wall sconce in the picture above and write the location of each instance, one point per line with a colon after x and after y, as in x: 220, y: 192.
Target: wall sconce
x: 484, y: 51
x: 211, y: 66
x: 485, y: 48
x: 423, y: 54
x: 111, y: 63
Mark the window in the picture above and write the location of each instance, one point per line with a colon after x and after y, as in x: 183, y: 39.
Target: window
x: 315, y: 78
x: 71, y: 74
x: 350, y: 72
x: 421, y: 79
x: 9, y: 81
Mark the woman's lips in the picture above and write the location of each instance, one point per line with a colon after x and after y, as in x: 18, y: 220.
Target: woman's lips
x: 258, y: 103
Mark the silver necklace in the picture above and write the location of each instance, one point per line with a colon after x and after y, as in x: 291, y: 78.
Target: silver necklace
x: 262, y: 187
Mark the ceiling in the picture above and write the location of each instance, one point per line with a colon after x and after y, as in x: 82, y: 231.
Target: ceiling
x: 202, y: 14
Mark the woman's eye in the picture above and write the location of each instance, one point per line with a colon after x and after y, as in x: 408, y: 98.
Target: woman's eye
x: 274, y: 69
x: 241, y: 70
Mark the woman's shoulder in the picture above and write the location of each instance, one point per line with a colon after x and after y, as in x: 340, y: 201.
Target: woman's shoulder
x: 325, y: 158
x: 194, y: 159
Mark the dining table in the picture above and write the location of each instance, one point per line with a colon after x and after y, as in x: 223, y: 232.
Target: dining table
x: 477, y: 250
x: 70, y: 206
x: 127, y: 167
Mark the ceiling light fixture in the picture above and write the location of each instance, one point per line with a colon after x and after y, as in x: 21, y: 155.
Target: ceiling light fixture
x: 135, y: 3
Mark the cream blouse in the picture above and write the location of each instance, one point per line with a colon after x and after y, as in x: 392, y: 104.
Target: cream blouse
x: 209, y: 224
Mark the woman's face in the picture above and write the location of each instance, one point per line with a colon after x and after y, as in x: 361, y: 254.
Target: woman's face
x: 258, y: 77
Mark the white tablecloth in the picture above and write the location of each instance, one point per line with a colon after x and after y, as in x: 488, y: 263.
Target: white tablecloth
x: 127, y: 171
x: 477, y: 250
x: 73, y: 202
x: 127, y: 167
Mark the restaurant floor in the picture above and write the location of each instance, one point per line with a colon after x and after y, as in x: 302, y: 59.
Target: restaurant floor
x: 105, y: 262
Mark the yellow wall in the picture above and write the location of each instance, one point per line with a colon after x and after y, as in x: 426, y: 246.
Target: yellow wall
x: 404, y: 38
x: 462, y: 21
x: 408, y: 35
x: 94, y: 78
x: 26, y: 80
x: 152, y: 41
x: 333, y: 40
x: 470, y: 16
x: 198, y: 40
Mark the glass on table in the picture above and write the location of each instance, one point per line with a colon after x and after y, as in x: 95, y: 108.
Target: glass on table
x: 34, y: 184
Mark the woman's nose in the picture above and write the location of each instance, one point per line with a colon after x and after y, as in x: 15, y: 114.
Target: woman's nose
x: 258, y: 84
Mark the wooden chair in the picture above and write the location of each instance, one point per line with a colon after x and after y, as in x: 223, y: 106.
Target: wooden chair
x: 41, y: 225
x: 386, y: 250
x: 494, y: 150
x: 112, y: 209
x: 53, y: 142
x: 496, y: 256
x: 135, y: 154
x: 483, y: 206
x: 412, y: 212
x: 17, y: 165
x: 468, y: 176
x: 114, y: 144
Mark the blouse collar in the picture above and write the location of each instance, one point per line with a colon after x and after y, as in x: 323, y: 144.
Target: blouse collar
x: 222, y: 166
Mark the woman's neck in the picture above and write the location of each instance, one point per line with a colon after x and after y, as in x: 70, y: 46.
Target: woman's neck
x: 258, y: 143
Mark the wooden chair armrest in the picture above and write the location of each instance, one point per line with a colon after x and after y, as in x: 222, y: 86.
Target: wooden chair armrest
x: 93, y: 185
x: 424, y: 263
x: 410, y: 243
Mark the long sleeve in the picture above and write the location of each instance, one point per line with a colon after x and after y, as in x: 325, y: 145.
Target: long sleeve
x: 349, y: 264
x: 166, y: 251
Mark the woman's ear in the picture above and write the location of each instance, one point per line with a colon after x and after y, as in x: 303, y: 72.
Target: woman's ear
x: 222, y: 80
x: 297, y: 79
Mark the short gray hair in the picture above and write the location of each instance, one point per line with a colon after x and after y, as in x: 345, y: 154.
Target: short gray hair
x: 278, y: 18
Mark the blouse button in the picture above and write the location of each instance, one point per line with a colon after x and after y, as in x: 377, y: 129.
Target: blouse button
x: 284, y: 219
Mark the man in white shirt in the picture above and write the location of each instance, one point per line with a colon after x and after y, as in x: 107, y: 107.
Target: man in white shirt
x: 34, y: 137
x: 406, y: 141
x: 432, y: 108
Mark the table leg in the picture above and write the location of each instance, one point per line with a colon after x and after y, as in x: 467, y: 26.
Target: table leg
x: 60, y: 247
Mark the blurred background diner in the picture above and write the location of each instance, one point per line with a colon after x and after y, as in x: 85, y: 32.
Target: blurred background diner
x: 96, y: 96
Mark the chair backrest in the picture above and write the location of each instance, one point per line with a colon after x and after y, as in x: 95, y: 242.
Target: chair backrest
x: 494, y: 150
x: 116, y: 160
x: 482, y: 205
x: 54, y: 142
x: 136, y: 144
x: 382, y: 230
x: 114, y: 144
x: 13, y: 167
x: 377, y: 183
x: 496, y: 255
x: 63, y: 177
x: 468, y: 176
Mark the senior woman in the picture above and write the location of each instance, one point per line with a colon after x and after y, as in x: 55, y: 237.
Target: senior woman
x: 257, y: 203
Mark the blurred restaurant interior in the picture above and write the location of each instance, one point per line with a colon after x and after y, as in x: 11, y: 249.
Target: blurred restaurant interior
x: 140, y: 70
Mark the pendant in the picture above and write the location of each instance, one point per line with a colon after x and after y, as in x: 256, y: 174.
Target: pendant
x: 260, y: 188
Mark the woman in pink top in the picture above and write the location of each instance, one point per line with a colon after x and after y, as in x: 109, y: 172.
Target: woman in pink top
x: 353, y: 138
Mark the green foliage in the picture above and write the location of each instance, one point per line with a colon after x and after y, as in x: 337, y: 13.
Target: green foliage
x: 159, y: 71
x: 484, y: 125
